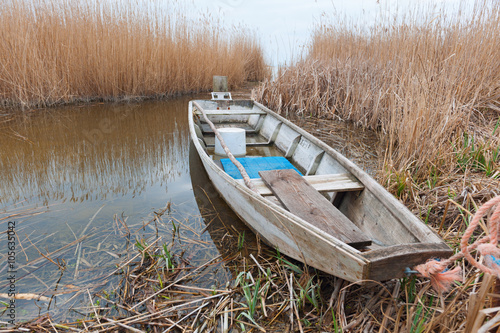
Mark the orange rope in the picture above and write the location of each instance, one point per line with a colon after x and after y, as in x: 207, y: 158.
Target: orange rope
x: 436, y: 270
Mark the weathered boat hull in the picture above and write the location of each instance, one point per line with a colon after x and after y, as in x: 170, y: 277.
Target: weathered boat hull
x: 403, y: 239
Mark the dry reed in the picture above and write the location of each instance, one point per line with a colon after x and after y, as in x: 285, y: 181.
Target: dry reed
x: 429, y: 85
x: 64, y: 51
x: 270, y: 293
x: 426, y: 81
x: 161, y: 289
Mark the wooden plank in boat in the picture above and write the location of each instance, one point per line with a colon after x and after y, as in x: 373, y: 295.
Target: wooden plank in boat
x: 232, y: 112
x: 301, y: 199
x: 207, y: 130
x: 248, y: 144
x: 251, y: 141
x: 341, y: 182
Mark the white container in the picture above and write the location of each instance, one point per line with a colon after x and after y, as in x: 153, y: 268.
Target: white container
x: 235, y: 140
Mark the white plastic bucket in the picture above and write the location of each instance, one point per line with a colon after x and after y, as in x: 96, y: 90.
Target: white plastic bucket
x: 235, y: 140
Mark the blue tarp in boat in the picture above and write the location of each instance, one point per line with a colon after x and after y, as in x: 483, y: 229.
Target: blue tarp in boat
x: 253, y: 165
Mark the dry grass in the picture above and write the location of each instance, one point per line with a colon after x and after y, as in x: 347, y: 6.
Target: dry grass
x: 429, y: 85
x: 270, y: 293
x: 61, y: 51
x: 172, y: 283
x: 425, y: 81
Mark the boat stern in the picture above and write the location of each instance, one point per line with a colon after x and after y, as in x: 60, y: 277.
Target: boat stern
x: 392, y: 262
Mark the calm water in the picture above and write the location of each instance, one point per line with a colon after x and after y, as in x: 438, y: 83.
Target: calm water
x: 72, y: 172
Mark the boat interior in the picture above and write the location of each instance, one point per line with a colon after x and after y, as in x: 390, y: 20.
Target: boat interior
x: 364, y: 214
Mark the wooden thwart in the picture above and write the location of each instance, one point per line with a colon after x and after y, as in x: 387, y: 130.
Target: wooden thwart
x: 232, y: 112
x: 248, y: 129
x: 341, y: 182
x: 303, y: 200
x: 248, y: 144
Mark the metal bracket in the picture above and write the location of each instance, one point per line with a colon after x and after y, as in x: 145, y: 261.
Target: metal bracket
x: 409, y: 271
x: 221, y: 96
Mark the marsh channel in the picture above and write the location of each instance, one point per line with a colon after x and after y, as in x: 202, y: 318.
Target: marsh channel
x: 84, y: 183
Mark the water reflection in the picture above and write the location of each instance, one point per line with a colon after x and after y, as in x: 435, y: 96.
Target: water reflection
x: 223, y: 225
x: 73, y: 178
x: 83, y: 184
x: 92, y: 153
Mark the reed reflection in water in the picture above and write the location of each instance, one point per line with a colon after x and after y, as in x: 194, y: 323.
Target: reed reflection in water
x: 86, y: 171
x: 92, y: 153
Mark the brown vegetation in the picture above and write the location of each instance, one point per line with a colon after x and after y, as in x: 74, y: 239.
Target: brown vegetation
x: 430, y: 84
x: 63, y: 51
x: 160, y: 289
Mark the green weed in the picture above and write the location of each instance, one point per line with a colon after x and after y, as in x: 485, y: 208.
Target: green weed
x: 241, y: 241
x: 288, y: 264
x: 422, y: 316
x: 252, y: 294
x: 168, y: 258
x: 336, y: 327
x: 310, y: 293
x: 478, y: 156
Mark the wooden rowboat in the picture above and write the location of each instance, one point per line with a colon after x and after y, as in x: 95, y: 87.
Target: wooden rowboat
x: 319, y: 208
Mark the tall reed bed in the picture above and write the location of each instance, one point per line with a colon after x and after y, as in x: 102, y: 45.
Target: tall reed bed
x: 428, y: 81
x: 429, y: 84
x: 56, y: 51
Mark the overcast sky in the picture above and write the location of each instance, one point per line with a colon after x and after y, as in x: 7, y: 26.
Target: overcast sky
x: 284, y: 26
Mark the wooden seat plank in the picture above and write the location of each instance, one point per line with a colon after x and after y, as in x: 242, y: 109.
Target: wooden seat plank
x: 208, y: 131
x: 340, y: 182
x: 248, y: 144
x: 240, y: 112
x: 301, y: 199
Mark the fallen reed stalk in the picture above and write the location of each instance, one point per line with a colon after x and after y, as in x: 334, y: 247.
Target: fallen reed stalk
x: 429, y: 85
x: 267, y: 292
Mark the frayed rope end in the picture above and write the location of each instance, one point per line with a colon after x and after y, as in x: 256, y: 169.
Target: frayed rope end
x: 441, y: 278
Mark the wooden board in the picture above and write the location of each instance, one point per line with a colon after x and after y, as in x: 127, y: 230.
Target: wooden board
x: 219, y: 83
x: 251, y: 141
x: 400, y: 216
x: 297, y: 238
x: 341, y: 182
x: 248, y: 144
x: 207, y: 130
x: 232, y: 112
x: 301, y: 199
